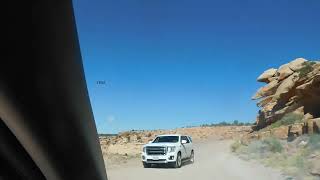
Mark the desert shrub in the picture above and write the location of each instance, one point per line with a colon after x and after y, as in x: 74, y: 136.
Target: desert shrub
x: 139, y: 137
x: 235, y: 146
x: 128, y: 139
x: 273, y: 144
x: 297, y: 160
x: 224, y: 123
x: 306, y: 68
x: 149, y: 134
x: 287, y: 119
x: 293, y: 160
x: 257, y: 147
x: 314, y: 142
x: 276, y: 160
x: 260, y: 148
x: 235, y: 123
x: 125, y: 134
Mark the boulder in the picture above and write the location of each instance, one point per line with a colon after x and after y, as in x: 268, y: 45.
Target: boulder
x: 296, y: 129
x: 264, y: 101
x: 267, y: 90
x: 264, y: 134
x: 284, y: 71
x: 297, y: 64
x: 268, y: 107
x: 307, y: 116
x: 316, y: 125
x: 310, y: 126
x: 264, y: 77
x: 286, y: 86
x: 280, y: 132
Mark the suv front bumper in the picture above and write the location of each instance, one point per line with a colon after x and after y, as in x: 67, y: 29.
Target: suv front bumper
x: 159, y: 159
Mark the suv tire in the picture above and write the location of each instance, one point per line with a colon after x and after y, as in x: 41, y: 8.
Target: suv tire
x: 146, y: 165
x: 178, y: 162
x: 192, y: 157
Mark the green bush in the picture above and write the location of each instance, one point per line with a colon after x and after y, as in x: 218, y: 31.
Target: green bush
x: 223, y: 123
x: 293, y: 161
x: 257, y: 147
x: 306, y: 68
x: 297, y: 160
x: 273, y: 145
x: 287, y: 119
x: 236, y: 146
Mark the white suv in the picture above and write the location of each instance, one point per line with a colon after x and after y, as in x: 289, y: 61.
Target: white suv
x: 169, y: 149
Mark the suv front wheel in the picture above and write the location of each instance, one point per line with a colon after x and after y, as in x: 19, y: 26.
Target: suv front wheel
x: 146, y: 165
x: 178, y: 162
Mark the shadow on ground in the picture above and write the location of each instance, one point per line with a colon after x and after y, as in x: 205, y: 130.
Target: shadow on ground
x: 164, y: 166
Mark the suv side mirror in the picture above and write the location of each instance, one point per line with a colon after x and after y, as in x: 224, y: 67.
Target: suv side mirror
x: 150, y: 142
x: 184, y: 142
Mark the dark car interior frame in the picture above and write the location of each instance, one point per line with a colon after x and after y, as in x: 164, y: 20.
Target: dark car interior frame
x: 47, y: 129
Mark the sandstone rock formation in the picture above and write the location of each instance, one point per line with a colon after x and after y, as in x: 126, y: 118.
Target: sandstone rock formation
x: 292, y: 88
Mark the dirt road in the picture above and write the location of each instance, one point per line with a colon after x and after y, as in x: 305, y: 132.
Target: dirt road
x: 214, y: 161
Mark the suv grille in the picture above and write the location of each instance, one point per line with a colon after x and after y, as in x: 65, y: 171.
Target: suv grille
x: 156, y: 150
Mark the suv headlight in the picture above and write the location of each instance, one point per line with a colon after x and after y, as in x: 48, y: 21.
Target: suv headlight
x: 171, y: 148
x: 144, y: 149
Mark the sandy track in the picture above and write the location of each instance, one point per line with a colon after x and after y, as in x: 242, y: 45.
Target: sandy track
x: 213, y: 162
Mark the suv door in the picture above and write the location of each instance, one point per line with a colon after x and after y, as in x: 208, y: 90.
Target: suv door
x: 186, y: 147
x: 190, y: 145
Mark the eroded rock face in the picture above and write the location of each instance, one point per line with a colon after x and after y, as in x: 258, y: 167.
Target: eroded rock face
x: 293, y: 87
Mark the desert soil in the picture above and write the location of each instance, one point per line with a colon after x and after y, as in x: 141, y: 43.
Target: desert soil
x: 213, y: 161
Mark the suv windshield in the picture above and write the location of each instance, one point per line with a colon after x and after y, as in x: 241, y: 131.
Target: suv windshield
x: 166, y: 139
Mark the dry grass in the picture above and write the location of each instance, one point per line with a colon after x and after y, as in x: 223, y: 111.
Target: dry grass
x: 290, y: 157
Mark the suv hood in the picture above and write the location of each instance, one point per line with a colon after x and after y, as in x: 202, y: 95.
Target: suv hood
x: 161, y: 144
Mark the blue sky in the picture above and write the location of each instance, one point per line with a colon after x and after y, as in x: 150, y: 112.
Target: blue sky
x: 173, y: 63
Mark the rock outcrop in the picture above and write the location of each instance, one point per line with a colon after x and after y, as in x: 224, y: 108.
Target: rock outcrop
x: 292, y: 88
